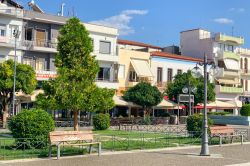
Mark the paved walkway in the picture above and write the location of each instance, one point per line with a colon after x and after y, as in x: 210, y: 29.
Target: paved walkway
x: 225, y: 155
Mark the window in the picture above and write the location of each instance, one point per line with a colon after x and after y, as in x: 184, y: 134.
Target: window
x: 133, y: 76
x: 121, y: 72
x: 104, y: 74
x: 230, y: 48
x: 170, y: 75
x: 246, y: 85
x: 2, y: 58
x: 179, y: 71
x: 159, y: 74
x: 40, y: 64
x: 28, y: 34
x: 105, y: 47
x: 2, y: 30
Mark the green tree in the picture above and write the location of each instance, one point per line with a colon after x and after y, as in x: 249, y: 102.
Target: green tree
x: 145, y: 95
x: 25, y: 82
x: 74, y: 87
x: 174, y: 88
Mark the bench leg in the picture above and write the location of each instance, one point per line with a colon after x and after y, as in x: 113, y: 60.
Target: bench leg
x: 220, y: 140
x: 242, y: 139
x: 58, y: 152
x: 50, y: 151
x: 90, y: 148
x: 99, y: 149
x: 232, y: 139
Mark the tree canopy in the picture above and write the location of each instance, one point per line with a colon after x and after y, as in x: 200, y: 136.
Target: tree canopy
x: 174, y: 88
x: 74, y: 87
x: 143, y: 94
x: 25, y: 82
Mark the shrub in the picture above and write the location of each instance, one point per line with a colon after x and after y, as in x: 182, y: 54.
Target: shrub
x: 194, y: 124
x: 218, y: 113
x: 31, y: 127
x: 147, y: 120
x: 101, y: 121
x: 245, y: 110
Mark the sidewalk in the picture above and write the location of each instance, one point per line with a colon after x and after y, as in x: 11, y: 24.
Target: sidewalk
x: 225, y: 155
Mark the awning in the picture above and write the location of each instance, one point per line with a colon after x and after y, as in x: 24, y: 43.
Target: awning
x: 217, y: 104
x: 236, y: 103
x: 119, y: 101
x: 167, y: 104
x: 232, y: 64
x: 141, y: 67
x: 228, y: 81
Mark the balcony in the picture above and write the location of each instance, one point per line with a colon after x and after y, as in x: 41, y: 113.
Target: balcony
x: 228, y: 55
x: 231, y: 39
x: 11, y: 12
x: 226, y: 89
x: 40, y: 45
x: 107, y: 84
x: 45, y: 74
x: 223, y: 73
x: 131, y: 84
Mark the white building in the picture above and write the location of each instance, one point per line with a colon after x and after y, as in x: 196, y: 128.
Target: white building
x: 223, y: 50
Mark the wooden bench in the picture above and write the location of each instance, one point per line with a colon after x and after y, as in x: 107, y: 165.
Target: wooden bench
x: 224, y: 132
x: 72, y: 138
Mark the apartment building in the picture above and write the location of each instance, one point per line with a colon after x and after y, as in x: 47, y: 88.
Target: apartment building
x: 37, y: 43
x: 223, y: 50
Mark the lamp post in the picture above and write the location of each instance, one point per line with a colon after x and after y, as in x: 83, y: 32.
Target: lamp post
x: 16, y: 34
x: 196, y: 72
x: 189, y: 89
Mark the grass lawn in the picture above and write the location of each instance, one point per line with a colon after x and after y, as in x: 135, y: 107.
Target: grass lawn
x: 130, y: 140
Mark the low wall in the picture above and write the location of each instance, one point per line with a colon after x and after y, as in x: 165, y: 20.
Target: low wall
x: 233, y: 120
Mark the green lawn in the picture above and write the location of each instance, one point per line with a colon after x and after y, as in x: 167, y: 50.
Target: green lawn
x: 130, y: 140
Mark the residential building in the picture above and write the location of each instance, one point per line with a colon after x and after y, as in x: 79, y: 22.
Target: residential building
x: 165, y: 66
x: 134, y: 63
x: 37, y: 43
x: 223, y: 50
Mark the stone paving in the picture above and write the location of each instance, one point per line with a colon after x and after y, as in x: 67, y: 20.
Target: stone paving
x: 225, y: 155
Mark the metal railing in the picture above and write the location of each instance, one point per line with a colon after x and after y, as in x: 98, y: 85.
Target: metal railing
x: 39, y: 43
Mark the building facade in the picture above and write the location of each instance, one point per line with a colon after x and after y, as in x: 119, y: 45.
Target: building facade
x: 223, y: 50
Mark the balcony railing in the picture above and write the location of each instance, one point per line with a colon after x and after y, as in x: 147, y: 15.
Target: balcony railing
x: 229, y: 55
x: 227, y: 73
x: 11, y: 11
x: 232, y: 39
x: 39, y: 43
x: 226, y: 89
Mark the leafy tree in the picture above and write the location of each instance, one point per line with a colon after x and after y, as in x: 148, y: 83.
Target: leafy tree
x: 74, y: 87
x: 145, y: 95
x: 174, y: 88
x: 25, y: 82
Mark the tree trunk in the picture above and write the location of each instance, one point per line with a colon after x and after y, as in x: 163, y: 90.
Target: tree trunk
x: 76, y: 127
x: 5, y: 115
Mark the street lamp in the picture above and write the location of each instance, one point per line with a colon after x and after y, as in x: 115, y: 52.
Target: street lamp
x: 196, y: 72
x: 16, y: 34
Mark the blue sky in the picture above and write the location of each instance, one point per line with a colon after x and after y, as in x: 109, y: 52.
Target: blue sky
x: 159, y: 22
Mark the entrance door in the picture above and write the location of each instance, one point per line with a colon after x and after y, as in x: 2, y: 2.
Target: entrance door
x: 40, y: 37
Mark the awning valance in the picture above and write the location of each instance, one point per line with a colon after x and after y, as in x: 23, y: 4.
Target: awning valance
x: 232, y: 64
x: 141, y: 67
x: 228, y: 81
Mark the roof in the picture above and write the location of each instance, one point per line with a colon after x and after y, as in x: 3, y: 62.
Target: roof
x: 195, y: 29
x: 134, y: 43
x: 175, y: 56
x: 13, y: 3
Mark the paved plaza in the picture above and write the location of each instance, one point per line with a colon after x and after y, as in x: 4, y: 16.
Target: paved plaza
x: 225, y: 155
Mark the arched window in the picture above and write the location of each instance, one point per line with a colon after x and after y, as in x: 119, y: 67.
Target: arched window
x: 246, y: 65
x: 246, y: 85
x: 241, y: 63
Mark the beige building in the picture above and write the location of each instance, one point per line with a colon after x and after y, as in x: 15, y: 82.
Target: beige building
x: 134, y: 63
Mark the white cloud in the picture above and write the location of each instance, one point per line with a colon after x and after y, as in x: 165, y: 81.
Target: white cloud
x: 223, y: 21
x: 240, y: 10
x: 121, y: 21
